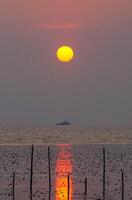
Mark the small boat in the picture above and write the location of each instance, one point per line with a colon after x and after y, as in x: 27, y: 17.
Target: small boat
x: 64, y: 123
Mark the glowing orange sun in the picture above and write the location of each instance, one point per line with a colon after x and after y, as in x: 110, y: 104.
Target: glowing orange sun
x: 65, y: 54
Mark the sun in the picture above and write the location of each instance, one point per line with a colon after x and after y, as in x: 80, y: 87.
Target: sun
x: 65, y: 54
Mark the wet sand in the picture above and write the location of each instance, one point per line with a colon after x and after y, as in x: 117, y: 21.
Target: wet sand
x: 55, y: 135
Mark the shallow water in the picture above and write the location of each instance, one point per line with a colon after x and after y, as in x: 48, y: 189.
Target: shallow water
x: 76, y: 172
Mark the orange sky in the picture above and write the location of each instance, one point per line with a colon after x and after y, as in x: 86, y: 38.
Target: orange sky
x: 86, y: 13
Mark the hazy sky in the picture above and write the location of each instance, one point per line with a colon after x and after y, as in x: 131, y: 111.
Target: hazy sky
x: 94, y: 89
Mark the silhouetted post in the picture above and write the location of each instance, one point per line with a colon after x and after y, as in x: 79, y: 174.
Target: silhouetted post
x: 85, y: 193
x: 104, y: 173
x: 122, y: 183
x: 13, y: 187
x: 31, y: 172
x: 49, y: 173
x: 68, y: 186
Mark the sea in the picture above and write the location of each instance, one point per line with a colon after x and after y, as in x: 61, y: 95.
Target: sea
x: 65, y: 163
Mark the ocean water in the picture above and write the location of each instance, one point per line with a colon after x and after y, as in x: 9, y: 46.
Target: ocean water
x: 62, y: 134
x: 66, y: 172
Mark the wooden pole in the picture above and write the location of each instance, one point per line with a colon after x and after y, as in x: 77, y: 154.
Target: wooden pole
x: 31, y: 172
x: 13, y: 187
x: 122, y: 183
x: 104, y: 173
x: 49, y: 173
x: 85, y: 193
x: 68, y: 186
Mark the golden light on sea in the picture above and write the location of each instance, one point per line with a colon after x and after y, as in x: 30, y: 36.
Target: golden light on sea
x: 63, y: 168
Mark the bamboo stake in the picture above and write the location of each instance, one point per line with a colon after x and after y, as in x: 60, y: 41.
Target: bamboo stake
x: 49, y: 173
x: 31, y: 172
x: 104, y: 173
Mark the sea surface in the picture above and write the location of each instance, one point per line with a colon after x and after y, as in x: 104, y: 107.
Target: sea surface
x: 63, y: 134
x: 65, y: 163
x: 66, y: 172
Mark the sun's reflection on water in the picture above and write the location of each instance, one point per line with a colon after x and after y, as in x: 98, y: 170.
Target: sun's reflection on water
x: 63, y: 180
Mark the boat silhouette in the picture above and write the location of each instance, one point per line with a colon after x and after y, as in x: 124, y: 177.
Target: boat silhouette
x: 64, y: 123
